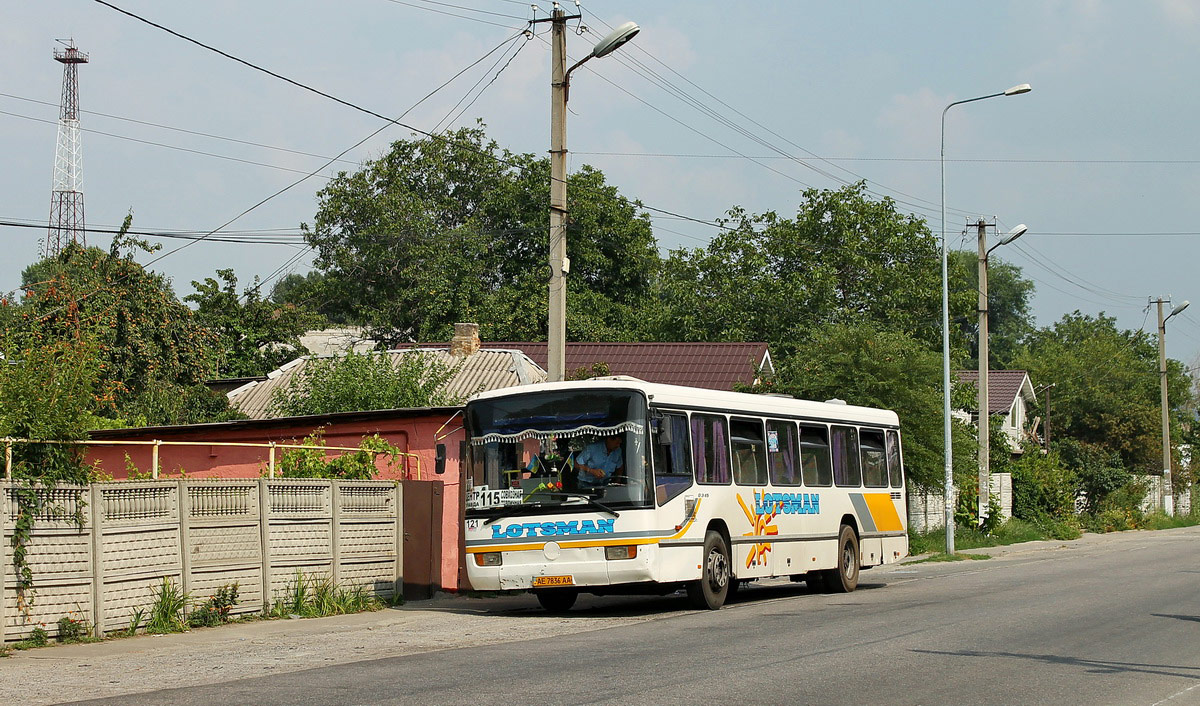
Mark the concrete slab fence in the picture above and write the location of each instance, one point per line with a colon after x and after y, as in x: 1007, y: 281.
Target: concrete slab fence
x: 202, y: 535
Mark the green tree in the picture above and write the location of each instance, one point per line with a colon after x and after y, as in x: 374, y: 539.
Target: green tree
x: 254, y: 335
x: 843, y: 258
x: 1009, y: 318
x: 1107, y: 387
x: 50, y: 391
x: 455, y: 229
x: 360, y: 382
x: 867, y: 365
x: 146, y: 342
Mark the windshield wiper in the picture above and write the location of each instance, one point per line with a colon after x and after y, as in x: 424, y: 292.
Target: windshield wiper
x: 589, y: 500
x: 513, y: 510
x: 510, y: 511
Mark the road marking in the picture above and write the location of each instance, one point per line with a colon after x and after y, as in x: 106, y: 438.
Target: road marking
x: 1177, y: 693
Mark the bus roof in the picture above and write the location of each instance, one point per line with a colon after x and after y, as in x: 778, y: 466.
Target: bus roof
x: 701, y: 398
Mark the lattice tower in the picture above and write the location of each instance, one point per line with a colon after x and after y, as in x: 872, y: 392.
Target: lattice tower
x: 66, y: 201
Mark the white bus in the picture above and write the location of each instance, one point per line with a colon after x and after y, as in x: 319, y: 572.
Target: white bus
x: 614, y: 485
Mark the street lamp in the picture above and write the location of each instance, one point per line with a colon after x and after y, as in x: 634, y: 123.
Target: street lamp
x: 1168, y: 495
x: 560, y: 264
x: 985, y: 469
x: 949, y: 478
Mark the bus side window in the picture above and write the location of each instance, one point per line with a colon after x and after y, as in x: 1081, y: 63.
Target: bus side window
x: 749, y: 452
x: 710, y: 448
x: 783, y: 459
x: 844, y: 443
x: 895, y: 469
x: 815, y: 457
x: 874, y: 463
x: 672, y: 467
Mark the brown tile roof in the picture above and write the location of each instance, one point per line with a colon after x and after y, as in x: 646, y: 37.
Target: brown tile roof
x: 716, y: 366
x: 1003, y: 386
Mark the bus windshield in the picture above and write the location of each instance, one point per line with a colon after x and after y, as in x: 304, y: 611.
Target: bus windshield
x: 558, y: 449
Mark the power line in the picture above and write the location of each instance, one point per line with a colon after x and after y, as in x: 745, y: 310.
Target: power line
x: 392, y: 121
x: 926, y: 160
x: 164, y: 145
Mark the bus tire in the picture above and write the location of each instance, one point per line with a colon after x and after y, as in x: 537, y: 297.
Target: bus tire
x: 557, y: 601
x: 710, y: 592
x: 815, y: 580
x: 844, y: 578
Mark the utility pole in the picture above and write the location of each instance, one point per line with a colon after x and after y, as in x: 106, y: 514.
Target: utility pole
x: 985, y: 417
x: 556, y: 349
x: 66, y: 200
x: 1168, y: 495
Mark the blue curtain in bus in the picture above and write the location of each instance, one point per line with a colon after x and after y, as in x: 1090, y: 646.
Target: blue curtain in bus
x: 698, y: 448
x: 720, y: 453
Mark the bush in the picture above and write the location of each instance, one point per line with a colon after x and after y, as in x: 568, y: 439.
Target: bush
x: 215, y: 610
x: 1043, y: 488
x: 353, y: 465
x: 166, y: 615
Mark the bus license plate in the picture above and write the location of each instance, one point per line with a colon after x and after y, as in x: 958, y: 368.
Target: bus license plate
x: 543, y: 581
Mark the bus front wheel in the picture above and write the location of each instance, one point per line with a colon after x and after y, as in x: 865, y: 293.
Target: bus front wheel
x: 712, y: 589
x: 844, y: 578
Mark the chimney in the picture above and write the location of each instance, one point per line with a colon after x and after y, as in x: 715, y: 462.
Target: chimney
x: 465, y: 340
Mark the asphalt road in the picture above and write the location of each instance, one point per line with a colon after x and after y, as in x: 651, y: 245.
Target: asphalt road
x: 1110, y: 621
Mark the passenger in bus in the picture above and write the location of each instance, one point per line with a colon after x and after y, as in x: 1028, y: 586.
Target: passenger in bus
x: 599, y: 462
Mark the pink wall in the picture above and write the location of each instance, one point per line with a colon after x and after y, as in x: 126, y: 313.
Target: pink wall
x: 413, y: 434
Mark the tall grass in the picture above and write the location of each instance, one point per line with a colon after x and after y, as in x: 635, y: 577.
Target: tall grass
x: 167, y: 613
x: 317, y: 596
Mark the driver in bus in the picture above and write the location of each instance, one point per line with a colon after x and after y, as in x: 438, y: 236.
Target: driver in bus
x: 599, y: 462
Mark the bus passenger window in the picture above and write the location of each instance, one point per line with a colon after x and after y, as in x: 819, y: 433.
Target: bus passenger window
x: 749, y: 452
x: 815, y: 457
x: 710, y: 448
x: 895, y: 469
x: 844, y: 444
x: 672, y: 468
x: 874, y: 463
x: 782, y: 458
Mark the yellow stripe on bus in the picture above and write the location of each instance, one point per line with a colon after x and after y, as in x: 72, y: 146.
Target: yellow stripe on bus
x: 883, y: 512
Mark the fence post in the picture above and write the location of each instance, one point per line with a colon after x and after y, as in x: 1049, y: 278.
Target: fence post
x: 97, y: 516
x: 184, y: 506
x: 8, y: 458
x: 335, y: 542
x: 154, y: 460
x: 271, y: 461
x: 264, y: 533
x: 4, y: 513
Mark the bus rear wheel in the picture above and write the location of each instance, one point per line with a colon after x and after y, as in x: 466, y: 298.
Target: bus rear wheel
x: 710, y: 592
x: 844, y: 578
x: 557, y: 601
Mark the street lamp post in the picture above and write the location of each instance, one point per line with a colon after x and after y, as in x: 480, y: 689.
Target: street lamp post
x: 985, y: 470
x: 560, y: 264
x: 949, y: 478
x: 1168, y: 495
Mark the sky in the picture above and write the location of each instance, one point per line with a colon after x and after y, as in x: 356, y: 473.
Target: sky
x: 713, y: 105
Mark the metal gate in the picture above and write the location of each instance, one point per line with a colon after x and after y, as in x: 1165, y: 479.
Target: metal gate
x: 422, y: 538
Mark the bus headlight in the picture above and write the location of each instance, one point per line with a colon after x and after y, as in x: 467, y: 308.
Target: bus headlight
x: 623, y: 552
x: 489, y: 559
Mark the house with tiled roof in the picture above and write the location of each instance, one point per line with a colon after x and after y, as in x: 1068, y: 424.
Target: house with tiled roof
x: 716, y: 366
x: 1010, y: 394
x: 475, y: 370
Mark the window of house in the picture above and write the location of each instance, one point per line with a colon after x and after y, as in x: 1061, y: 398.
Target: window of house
x: 783, y: 459
x: 710, y: 448
x: 815, y: 458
